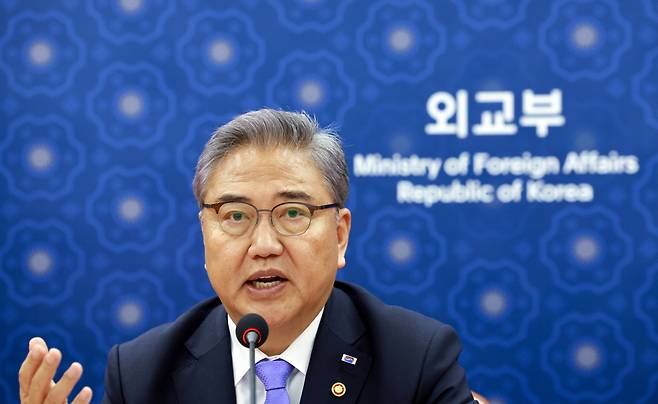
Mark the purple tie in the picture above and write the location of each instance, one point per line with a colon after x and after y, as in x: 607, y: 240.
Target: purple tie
x: 274, y: 375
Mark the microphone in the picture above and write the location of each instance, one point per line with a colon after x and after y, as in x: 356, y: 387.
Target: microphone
x: 252, y: 332
x: 254, y: 326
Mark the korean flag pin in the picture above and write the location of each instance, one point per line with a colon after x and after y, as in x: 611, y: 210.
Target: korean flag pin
x: 348, y: 359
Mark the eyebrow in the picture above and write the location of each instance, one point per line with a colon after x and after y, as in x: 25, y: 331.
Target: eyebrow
x: 232, y: 198
x: 301, y: 195
x: 291, y: 194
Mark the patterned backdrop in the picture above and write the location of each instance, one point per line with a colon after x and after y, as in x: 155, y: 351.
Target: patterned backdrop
x: 502, y: 154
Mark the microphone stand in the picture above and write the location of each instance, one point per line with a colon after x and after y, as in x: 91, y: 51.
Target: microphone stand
x: 252, y: 337
x: 251, y: 331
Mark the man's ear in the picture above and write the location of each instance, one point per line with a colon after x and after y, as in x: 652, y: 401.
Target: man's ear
x: 343, y: 234
x: 200, y: 216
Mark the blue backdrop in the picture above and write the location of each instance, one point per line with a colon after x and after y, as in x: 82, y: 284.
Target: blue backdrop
x: 502, y: 156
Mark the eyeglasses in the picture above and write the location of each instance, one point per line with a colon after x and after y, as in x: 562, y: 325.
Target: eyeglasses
x: 288, y: 218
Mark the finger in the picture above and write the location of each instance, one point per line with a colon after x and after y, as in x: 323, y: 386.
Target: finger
x: 29, y: 367
x: 84, y: 396
x: 62, y: 389
x: 38, y: 341
x: 41, y: 381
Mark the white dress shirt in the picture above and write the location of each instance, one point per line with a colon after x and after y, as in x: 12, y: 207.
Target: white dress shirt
x: 298, y: 354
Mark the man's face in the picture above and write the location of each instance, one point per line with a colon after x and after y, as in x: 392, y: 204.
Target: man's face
x: 307, y: 263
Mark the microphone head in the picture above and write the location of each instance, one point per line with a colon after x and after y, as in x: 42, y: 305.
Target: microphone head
x: 252, y: 322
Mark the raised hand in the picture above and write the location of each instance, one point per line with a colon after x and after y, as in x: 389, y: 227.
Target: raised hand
x: 36, y: 374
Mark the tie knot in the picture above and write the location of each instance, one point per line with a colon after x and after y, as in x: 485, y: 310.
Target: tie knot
x: 273, y: 374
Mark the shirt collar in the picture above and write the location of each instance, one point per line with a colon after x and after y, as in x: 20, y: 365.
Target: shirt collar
x: 298, y: 354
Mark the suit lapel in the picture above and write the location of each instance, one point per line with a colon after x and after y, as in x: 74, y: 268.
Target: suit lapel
x: 339, y: 330
x: 207, y: 376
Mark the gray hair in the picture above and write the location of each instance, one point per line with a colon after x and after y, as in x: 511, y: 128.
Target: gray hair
x: 274, y: 128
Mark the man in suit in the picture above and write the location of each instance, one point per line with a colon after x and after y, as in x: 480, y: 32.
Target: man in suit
x: 271, y: 187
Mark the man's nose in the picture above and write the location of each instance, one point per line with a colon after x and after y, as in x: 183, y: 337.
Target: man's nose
x: 265, y: 239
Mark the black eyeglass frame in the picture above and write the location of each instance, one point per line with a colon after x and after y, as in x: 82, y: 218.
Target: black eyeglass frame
x: 216, y: 206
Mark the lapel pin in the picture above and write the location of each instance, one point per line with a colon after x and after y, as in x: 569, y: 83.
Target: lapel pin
x: 338, y: 389
x: 348, y: 359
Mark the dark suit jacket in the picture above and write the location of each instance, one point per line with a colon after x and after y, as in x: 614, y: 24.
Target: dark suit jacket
x: 402, y: 357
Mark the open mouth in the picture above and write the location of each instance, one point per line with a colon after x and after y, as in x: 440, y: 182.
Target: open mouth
x: 266, y: 282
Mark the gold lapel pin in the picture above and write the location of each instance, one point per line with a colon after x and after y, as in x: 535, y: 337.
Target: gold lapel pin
x: 338, y: 389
